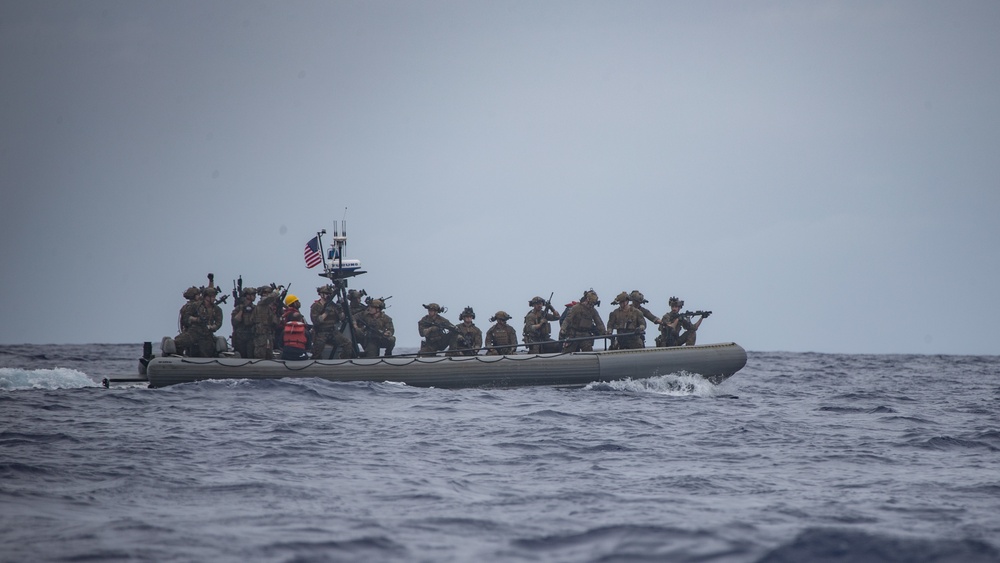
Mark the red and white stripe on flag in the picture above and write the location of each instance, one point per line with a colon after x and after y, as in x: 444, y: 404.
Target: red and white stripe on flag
x: 312, y: 255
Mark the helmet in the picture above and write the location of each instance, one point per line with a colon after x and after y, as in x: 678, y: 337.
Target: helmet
x: 500, y: 316
x: 637, y: 296
x: 590, y: 295
x: 289, y: 299
x: 191, y: 292
x: 467, y: 312
x: 675, y: 302
x: 622, y: 298
x: 249, y: 291
x: 536, y: 300
x: 264, y: 289
x: 433, y: 307
x: 377, y: 303
x: 324, y: 289
x: 209, y: 292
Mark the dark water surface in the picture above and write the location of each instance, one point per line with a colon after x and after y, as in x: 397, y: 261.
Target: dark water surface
x: 798, y: 457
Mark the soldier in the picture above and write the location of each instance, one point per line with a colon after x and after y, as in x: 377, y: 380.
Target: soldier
x: 582, y: 320
x: 184, y: 340
x: 501, y: 338
x: 470, y: 338
x: 242, y: 321
x: 295, y: 340
x: 376, y: 329
x: 354, y: 300
x: 629, y: 320
x: 638, y: 300
x: 673, y: 322
x: 265, y: 321
x: 207, y: 320
x: 437, y: 331
x: 537, y: 330
x: 327, y: 316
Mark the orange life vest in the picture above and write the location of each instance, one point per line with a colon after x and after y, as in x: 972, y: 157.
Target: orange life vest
x: 295, y: 335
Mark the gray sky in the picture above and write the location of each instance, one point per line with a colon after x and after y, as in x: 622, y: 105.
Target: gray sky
x: 824, y: 176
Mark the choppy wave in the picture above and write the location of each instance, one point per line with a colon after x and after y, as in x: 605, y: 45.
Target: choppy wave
x: 15, y: 379
x: 818, y: 458
x: 835, y: 545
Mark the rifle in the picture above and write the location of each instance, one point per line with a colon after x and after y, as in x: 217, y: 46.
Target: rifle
x: 368, y: 299
x: 445, y: 326
x: 367, y: 329
x: 221, y: 299
x: 237, y: 291
x: 284, y: 291
x: 548, y: 304
x: 690, y: 314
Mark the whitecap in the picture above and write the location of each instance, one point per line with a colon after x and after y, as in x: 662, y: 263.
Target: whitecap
x: 674, y: 384
x: 14, y: 379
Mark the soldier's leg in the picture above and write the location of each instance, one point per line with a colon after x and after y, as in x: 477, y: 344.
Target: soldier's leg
x: 319, y: 343
x: 344, y: 347
x: 571, y: 346
x: 182, y: 344
x: 370, y: 349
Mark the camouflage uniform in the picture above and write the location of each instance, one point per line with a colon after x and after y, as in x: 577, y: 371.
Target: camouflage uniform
x: 326, y: 317
x: 433, y: 331
x: 202, y: 330
x: 265, y: 322
x: 541, y: 338
x: 184, y: 340
x: 376, y: 331
x: 671, y: 336
x: 582, y: 320
x: 354, y: 301
x: 242, y: 320
x: 638, y: 300
x: 501, y: 338
x: 469, y: 338
x: 627, y: 319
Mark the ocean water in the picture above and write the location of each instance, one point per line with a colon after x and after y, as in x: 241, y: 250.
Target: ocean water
x: 798, y: 457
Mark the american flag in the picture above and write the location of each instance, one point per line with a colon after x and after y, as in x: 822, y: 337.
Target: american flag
x: 312, y: 255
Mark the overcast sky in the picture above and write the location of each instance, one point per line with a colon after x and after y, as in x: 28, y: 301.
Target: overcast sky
x: 824, y: 176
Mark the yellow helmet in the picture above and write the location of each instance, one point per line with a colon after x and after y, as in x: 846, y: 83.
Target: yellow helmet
x: 289, y: 299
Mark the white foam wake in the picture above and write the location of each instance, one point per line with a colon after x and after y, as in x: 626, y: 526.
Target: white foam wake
x: 14, y: 379
x: 674, y: 384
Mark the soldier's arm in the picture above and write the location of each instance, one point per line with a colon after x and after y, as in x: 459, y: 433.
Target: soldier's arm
x: 599, y: 322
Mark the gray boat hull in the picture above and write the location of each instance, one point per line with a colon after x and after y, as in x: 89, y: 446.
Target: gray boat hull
x: 716, y: 362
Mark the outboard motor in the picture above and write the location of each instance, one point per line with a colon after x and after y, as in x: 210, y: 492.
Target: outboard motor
x: 147, y: 354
